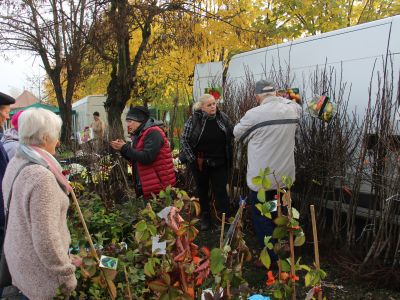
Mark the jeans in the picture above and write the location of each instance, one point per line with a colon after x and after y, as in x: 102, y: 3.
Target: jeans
x: 218, y: 176
x: 263, y: 226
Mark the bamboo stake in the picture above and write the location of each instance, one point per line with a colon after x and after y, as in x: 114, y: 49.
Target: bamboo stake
x: 315, y: 237
x: 221, y: 237
x: 87, y: 234
x: 291, y: 244
x: 128, y: 287
x: 279, y: 213
x: 89, y: 239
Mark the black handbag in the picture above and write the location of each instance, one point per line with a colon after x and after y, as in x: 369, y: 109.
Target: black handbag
x: 5, y: 276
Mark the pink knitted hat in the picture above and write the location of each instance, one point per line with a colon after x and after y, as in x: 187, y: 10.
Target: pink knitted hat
x: 14, y: 119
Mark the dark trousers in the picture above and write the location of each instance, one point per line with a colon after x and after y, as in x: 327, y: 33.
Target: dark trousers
x: 263, y: 226
x: 218, y: 176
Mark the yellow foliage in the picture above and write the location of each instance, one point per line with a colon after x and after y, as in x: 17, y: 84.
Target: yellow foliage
x: 213, y: 30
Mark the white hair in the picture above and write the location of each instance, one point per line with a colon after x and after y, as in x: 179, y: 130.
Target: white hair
x: 35, y: 125
x: 203, y: 98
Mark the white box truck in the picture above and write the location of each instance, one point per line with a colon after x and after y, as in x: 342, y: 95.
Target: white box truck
x: 355, y: 52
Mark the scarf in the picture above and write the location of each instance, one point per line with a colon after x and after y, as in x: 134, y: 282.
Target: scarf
x: 42, y: 157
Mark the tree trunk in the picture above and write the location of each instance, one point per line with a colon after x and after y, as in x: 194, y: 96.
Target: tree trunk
x: 120, y: 85
x: 65, y: 108
x: 117, y: 96
x: 66, y: 131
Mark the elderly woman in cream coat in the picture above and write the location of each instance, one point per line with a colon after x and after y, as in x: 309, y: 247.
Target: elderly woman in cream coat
x: 37, y: 237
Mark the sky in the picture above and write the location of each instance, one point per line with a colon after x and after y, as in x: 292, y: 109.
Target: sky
x: 19, y: 71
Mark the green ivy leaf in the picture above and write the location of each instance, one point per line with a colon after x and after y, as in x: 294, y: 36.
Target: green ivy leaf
x: 300, y: 240
x: 307, y: 279
x: 277, y: 294
x: 266, y: 240
x: 322, y: 273
x: 259, y: 206
x: 265, y: 258
x: 257, y: 180
x: 305, y: 267
x: 217, y: 260
x: 261, y: 195
x: 152, y: 229
x: 266, y: 183
x: 285, y: 265
x: 267, y: 171
x: 149, y: 268
x: 295, y: 213
x: 288, y: 181
x: 141, y: 225
x: 279, y: 232
x: 281, y: 221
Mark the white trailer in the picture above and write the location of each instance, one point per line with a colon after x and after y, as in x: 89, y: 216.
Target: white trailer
x: 355, y: 52
x: 206, y: 75
x: 85, y: 108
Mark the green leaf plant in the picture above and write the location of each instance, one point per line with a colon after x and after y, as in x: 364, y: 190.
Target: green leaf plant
x: 288, y: 234
x: 226, y: 264
x: 178, y: 270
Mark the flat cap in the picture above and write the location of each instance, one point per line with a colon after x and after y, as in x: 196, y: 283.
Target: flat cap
x: 6, y: 100
x: 264, y: 86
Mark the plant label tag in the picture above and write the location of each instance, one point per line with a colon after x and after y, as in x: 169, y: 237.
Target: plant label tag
x: 157, y: 246
x: 108, y: 262
x: 163, y: 214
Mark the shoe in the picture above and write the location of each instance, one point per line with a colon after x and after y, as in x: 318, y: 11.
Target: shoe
x: 205, y: 222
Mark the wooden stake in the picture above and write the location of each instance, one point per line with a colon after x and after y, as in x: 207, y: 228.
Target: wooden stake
x: 291, y: 244
x: 315, y: 237
x: 89, y: 239
x: 128, y: 287
x: 221, y: 237
x: 87, y: 234
x: 279, y: 212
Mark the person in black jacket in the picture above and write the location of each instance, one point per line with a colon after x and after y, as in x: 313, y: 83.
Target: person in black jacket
x: 206, y: 147
x: 5, y: 102
x: 149, y: 153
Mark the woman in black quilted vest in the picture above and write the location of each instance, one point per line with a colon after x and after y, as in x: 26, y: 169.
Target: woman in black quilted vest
x: 206, y: 148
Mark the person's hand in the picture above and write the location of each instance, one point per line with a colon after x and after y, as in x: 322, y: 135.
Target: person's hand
x: 117, y: 144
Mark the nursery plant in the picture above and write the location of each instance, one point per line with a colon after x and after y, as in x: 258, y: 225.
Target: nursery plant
x: 287, y: 234
x: 175, y: 267
x: 226, y: 262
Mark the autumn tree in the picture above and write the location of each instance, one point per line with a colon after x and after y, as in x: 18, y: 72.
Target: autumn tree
x: 296, y: 18
x: 178, y: 35
x: 58, y: 31
x: 122, y: 20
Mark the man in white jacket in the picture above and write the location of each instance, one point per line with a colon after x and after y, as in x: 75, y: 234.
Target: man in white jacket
x: 269, y: 129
